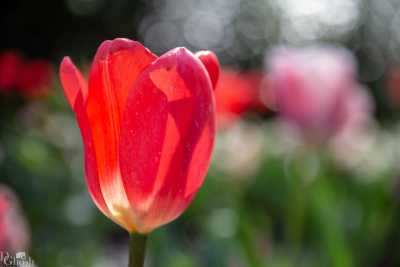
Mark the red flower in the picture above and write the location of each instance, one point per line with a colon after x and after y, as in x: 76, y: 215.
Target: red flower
x: 237, y: 93
x: 10, y: 63
x: 393, y: 87
x: 14, y: 235
x: 30, y: 78
x: 148, y: 128
x: 35, y: 78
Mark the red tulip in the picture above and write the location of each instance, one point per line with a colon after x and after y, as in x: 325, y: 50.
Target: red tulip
x: 316, y: 90
x: 236, y: 93
x: 148, y: 128
x: 14, y: 235
x: 10, y: 63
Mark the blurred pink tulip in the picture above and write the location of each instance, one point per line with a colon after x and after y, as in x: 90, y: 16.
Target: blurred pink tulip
x: 315, y: 89
x: 14, y: 234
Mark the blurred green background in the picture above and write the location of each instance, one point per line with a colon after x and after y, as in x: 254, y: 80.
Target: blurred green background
x: 267, y: 200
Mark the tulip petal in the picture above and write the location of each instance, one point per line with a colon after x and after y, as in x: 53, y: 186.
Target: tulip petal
x: 91, y: 173
x: 75, y: 89
x: 116, y: 67
x: 211, y: 63
x: 167, y: 135
x: 72, y: 81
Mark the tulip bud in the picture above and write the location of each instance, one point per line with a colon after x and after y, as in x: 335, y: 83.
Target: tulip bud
x: 148, y: 128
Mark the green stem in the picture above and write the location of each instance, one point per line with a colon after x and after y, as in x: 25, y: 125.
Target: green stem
x: 248, y: 245
x: 137, y: 250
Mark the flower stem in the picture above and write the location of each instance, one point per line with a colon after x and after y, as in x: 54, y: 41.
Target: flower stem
x: 137, y: 250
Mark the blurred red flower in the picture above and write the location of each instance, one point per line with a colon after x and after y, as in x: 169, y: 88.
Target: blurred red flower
x: 315, y: 89
x: 14, y: 234
x: 35, y: 78
x: 30, y: 78
x: 10, y: 63
x: 148, y: 128
x: 236, y: 93
x: 393, y: 87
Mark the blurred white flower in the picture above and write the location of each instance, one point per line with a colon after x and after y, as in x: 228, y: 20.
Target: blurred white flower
x: 369, y: 153
x: 61, y: 130
x: 240, y: 149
